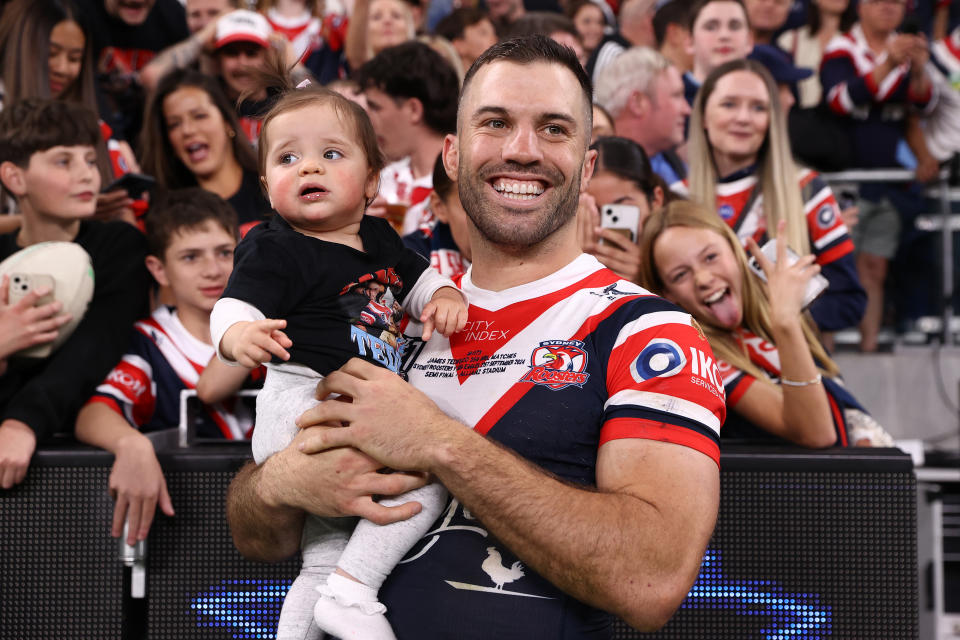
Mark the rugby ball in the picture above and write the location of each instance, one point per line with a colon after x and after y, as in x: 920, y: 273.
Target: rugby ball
x: 65, y: 267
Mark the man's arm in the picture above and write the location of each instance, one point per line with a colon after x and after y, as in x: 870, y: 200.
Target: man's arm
x: 266, y: 503
x: 632, y: 546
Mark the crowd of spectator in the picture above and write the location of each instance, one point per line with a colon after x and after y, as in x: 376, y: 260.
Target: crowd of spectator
x: 732, y: 104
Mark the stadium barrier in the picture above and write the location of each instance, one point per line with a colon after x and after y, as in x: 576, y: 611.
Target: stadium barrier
x: 808, y: 544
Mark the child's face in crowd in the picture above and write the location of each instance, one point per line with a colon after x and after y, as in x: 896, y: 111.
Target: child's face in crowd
x: 720, y: 34
x: 132, y: 12
x: 236, y: 61
x: 388, y: 24
x: 196, y: 130
x: 701, y: 274
x: 317, y: 175
x: 737, y: 117
x: 196, y: 266
x: 59, y: 184
x: 66, y: 56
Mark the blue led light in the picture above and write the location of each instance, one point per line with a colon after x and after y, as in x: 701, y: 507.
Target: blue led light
x: 793, y: 615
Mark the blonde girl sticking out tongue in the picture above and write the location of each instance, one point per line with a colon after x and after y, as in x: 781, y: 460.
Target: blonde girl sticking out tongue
x: 781, y: 385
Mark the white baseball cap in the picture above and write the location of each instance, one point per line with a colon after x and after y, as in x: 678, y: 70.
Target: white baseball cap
x: 243, y: 26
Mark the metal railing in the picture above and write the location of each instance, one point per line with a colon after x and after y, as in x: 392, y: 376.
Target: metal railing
x: 939, y: 190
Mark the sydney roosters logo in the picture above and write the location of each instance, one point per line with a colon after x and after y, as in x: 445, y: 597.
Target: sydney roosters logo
x: 557, y: 364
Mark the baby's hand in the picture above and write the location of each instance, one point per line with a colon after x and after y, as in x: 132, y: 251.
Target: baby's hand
x: 446, y: 311
x: 251, y: 344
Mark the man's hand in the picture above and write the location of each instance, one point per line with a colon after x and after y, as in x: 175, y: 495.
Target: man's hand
x: 387, y: 419
x: 17, y: 444
x: 350, y: 480
x: 137, y: 485
x: 250, y: 344
x: 23, y: 325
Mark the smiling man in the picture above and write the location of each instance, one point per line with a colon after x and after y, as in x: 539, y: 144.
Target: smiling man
x: 587, y: 480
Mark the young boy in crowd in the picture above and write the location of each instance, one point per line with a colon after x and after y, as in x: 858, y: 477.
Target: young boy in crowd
x: 48, y: 161
x: 191, y: 235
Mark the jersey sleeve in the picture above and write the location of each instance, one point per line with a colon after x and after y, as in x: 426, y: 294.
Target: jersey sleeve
x: 129, y: 388
x: 663, y: 384
x: 829, y: 237
x: 735, y: 382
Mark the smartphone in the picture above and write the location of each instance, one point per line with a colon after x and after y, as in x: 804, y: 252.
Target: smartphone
x: 135, y: 184
x: 622, y: 218
x: 817, y: 283
x: 23, y: 283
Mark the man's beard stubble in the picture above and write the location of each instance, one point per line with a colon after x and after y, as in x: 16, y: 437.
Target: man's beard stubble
x: 507, y: 231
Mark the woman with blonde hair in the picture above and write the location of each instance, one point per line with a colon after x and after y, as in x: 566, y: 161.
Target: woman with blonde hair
x: 375, y: 25
x: 780, y: 383
x: 740, y: 162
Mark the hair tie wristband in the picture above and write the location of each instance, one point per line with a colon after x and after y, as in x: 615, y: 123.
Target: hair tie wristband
x: 802, y: 383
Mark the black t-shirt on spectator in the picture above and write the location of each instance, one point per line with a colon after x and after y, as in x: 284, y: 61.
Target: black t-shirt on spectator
x: 47, y: 393
x: 120, y: 51
x: 249, y: 202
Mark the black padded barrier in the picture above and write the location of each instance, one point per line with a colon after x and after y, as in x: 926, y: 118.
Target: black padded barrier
x: 808, y: 545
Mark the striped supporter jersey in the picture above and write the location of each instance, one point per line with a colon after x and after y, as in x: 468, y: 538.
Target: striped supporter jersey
x: 552, y: 369
x: 162, y: 361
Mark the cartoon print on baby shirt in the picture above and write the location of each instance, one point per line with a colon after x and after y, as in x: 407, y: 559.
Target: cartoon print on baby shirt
x: 370, y: 303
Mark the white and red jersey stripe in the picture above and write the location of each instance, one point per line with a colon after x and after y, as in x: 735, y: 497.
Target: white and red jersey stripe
x: 743, y: 211
x: 163, y: 360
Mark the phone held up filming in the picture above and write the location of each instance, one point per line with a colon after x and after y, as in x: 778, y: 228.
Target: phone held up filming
x: 817, y: 283
x: 621, y: 218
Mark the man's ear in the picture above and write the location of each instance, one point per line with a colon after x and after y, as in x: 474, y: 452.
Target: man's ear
x: 13, y: 179
x: 589, y: 161
x: 439, y: 207
x: 638, y: 103
x: 451, y: 156
x: 157, y: 270
x: 414, y: 110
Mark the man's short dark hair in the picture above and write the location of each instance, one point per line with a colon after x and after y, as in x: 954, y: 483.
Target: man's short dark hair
x: 528, y: 50
x: 443, y: 186
x: 414, y: 70
x: 37, y: 124
x: 454, y: 25
x: 185, y: 209
x: 673, y: 12
x: 544, y: 23
x: 698, y: 6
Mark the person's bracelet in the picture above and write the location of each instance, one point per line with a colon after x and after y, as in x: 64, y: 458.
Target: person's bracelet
x: 802, y: 383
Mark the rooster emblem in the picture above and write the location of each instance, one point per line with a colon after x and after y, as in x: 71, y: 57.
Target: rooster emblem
x: 493, y: 567
x: 557, y: 364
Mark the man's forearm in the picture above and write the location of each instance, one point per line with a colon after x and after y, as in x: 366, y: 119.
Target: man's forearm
x: 261, y: 531
x: 610, y: 548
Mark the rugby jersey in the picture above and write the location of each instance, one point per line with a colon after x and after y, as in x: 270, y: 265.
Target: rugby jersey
x: 552, y: 369
x: 164, y: 360
x: 764, y: 354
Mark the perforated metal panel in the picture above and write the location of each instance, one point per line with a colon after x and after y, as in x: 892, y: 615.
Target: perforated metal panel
x: 198, y: 585
x: 806, y: 555
x: 59, y: 572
